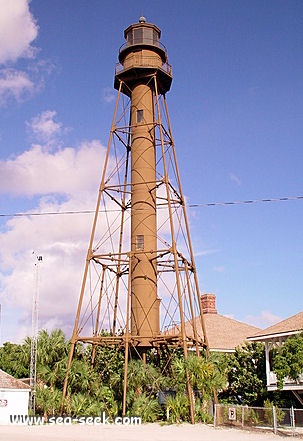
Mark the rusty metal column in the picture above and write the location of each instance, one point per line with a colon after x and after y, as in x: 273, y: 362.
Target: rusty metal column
x: 145, y: 303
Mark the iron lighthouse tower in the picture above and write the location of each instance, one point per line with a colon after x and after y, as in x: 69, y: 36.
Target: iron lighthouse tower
x: 142, y: 59
x: 140, y: 288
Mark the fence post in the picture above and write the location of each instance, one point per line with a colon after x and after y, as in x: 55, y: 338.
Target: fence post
x: 274, y: 419
x: 242, y: 416
x: 292, y: 419
x: 215, y: 416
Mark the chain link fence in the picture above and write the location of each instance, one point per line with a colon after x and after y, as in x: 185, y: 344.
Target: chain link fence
x: 275, y: 419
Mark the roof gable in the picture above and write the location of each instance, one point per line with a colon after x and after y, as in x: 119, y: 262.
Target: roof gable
x: 9, y: 382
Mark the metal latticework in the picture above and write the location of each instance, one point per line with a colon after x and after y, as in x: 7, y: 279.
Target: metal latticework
x: 140, y: 287
x: 34, y: 338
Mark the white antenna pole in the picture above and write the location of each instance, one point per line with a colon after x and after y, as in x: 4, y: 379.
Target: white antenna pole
x: 34, y: 338
x: 0, y: 324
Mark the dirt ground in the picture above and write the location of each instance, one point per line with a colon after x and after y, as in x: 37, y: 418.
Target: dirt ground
x: 144, y: 432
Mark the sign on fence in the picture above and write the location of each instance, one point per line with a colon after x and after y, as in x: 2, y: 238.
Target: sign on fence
x: 279, y: 420
x: 232, y: 413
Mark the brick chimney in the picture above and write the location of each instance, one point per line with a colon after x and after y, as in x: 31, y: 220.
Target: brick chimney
x: 209, y: 304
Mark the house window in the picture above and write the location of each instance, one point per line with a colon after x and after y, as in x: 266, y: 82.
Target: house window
x: 139, y: 116
x: 140, y: 242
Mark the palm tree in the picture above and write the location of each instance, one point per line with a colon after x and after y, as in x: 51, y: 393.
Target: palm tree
x: 47, y: 400
x: 143, y: 377
x: 205, y: 378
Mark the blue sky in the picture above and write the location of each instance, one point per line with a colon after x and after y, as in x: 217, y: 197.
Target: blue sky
x: 237, y: 116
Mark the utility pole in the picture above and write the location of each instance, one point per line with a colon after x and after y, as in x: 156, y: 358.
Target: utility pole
x: 34, y: 337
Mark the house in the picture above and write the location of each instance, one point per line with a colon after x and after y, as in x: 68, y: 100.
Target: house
x: 224, y: 334
x: 274, y: 336
x: 14, y: 397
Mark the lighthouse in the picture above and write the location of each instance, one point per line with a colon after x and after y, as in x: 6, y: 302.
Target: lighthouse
x: 140, y: 291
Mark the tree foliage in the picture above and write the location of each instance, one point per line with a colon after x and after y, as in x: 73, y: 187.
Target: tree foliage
x: 239, y: 377
x: 287, y: 361
x: 247, y: 375
x: 15, y: 360
x: 92, y: 390
x: 205, y: 374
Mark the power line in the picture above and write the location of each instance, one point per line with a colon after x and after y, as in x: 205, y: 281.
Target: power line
x: 207, y: 204
x: 250, y: 201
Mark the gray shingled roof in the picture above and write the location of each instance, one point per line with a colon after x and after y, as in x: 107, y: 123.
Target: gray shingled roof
x: 9, y: 382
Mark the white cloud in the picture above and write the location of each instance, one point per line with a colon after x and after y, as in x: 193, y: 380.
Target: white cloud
x: 18, y: 30
x: 62, y: 240
x: 206, y: 252
x: 219, y: 269
x: 235, y: 179
x: 62, y: 180
x: 44, y: 127
x: 66, y: 171
x: 15, y: 85
x: 109, y: 95
x: 263, y: 320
